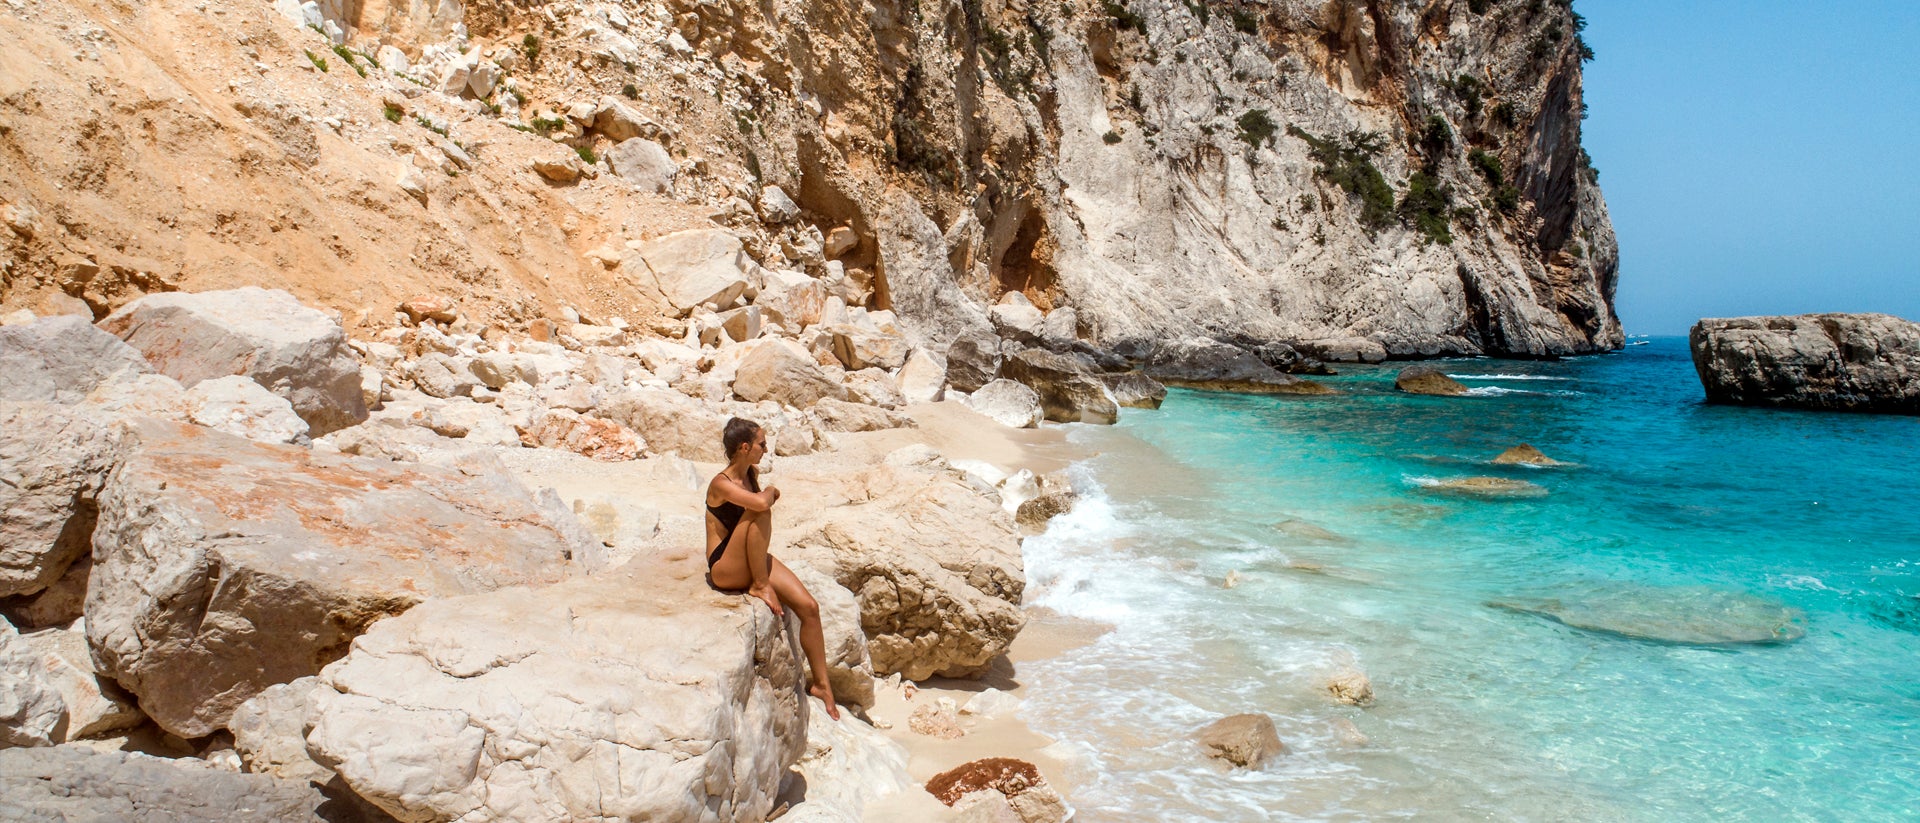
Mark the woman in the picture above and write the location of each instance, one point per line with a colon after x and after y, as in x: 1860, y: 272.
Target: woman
x: 739, y: 525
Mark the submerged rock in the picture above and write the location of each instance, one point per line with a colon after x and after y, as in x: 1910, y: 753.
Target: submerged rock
x: 1244, y: 740
x: 1428, y: 380
x: 1486, y: 487
x: 1837, y: 362
x: 1680, y: 616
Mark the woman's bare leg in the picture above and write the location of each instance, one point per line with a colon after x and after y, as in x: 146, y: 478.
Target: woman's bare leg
x: 745, y: 560
x: 812, y: 638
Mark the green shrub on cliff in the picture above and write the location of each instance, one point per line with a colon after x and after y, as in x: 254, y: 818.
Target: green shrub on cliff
x: 1427, y: 207
x: 1488, y: 166
x: 1245, y: 21
x: 1256, y: 128
x: 1348, y: 164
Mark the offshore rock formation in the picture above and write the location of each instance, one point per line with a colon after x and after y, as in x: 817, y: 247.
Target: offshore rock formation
x: 1838, y: 362
x: 1359, y: 179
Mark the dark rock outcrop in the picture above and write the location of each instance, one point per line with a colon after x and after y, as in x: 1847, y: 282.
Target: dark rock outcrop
x: 1070, y: 389
x: 1835, y: 362
x: 1428, y: 380
x: 1201, y: 363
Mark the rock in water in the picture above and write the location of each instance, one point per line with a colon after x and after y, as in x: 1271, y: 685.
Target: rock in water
x: 1428, y: 380
x: 223, y: 566
x: 640, y: 694
x: 1135, y: 390
x: 294, y: 351
x: 1526, y: 455
x: 1245, y: 740
x: 1680, y: 616
x: 1836, y: 362
x: 1486, y: 487
x: 1070, y: 391
x: 79, y: 783
x: 1201, y: 363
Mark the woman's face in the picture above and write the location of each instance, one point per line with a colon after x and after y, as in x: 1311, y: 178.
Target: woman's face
x: 756, y: 449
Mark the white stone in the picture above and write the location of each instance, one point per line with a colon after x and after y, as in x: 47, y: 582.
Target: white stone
x: 30, y: 707
x: 1009, y: 403
x: 237, y: 405
x: 696, y: 267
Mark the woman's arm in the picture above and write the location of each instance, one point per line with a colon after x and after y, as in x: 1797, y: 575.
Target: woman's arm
x: 738, y: 495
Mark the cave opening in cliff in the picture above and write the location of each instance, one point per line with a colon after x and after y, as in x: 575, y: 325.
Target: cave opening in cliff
x: 1026, y: 265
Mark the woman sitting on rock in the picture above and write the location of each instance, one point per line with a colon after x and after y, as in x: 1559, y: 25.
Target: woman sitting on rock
x: 739, y: 527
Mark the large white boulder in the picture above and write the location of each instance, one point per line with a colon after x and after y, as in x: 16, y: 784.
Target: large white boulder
x: 848, y: 765
x: 1009, y: 403
x: 936, y: 567
x: 223, y: 566
x: 95, y: 706
x: 30, y: 707
x: 53, y: 461
x: 237, y: 405
x: 62, y: 359
x: 297, y: 352
x: 792, y: 299
x: 671, y: 422
x: 697, y: 267
x: 643, y: 163
x: 924, y: 377
x: 638, y: 695
x: 782, y: 371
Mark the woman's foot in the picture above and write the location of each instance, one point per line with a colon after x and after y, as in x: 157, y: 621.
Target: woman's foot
x: 765, y: 591
x: 825, y: 693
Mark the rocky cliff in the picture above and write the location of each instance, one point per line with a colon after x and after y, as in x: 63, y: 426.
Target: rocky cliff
x: 1360, y: 179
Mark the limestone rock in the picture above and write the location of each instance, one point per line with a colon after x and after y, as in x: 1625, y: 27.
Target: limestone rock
x: 269, y: 732
x: 237, y: 405
x: 1029, y: 794
x: 1839, y: 362
x: 1069, y: 391
x: 94, y: 706
x: 792, y: 299
x: 590, y: 436
x: 1526, y: 455
x: 948, y: 609
x: 638, y: 695
x: 1352, y: 687
x: 296, y: 352
x: 53, y: 462
x: 776, y: 206
x: 1427, y: 380
x: 781, y: 370
x: 559, y: 168
x: 439, y: 375
x: 924, y: 377
x: 1245, y: 740
x: 1203, y: 363
x: 31, y: 709
x: 645, y: 164
x: 75, y: 782
x: 973, y: 360
x: 62, y: 359
x: 1017, y: 319
x: 671, y: 422
x: 1134, y: 389
x: 848, y: 764
x: 153, y: 395
x: 619, y: 123
x: 1495, y: 487
x: 1034, y: 514
x: 841, y: 416
x: 430, y: 307
x: 939, y: 722
x: 839, y: 241
x: 741, y: 324
x: 1009, y: 403
x: 207, y: 543
x: 697, y: 267
x: 57, y: 605
x: 849, y: 668
x: 859, y: 348
x: 875, y: 387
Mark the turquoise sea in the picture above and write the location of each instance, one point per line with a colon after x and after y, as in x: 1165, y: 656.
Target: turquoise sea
x: 1674, y: 516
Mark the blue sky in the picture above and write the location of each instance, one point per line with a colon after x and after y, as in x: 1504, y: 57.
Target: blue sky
x: 1758, y: 157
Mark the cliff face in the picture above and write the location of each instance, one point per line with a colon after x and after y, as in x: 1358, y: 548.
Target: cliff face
x: 1366, y: 178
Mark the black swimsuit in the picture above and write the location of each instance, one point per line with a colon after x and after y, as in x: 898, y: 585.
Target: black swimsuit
x: 729, y: 516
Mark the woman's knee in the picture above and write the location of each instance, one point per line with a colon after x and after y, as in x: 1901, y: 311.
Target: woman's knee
x: 805, y: 606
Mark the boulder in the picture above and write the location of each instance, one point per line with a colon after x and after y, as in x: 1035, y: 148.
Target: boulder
x: 1034, y: 514
x: 1029, y: 794
x: 839, y: 241
x: 94, y: 706
x: 1681, y: 616
x: 53, y: 460
x: 32, y: 712
x: 947, y: 607
x: 619, y: 123
x: 438, y: 308
x: 697, y: 267
x: 593, y: 437
x: 237, y: 405
x: 644, y: 164
x: 924, y: 377
x: 973, y: 360
x: 76, y: 782
x: 671, y: 422
x: 777, y: 207
x: 296, y: 352
x: 1834, y: 362
x: 936, y: 721
x: 1018, y: 320
x: 559, y: 167
x: 1428, y: 380
x: 638, y: 695
x: 223, y: 566
x: 841, y: 416
x: 439, y: 375
x: 1526, y: 455
x: 1351, y: 686
x: 1204, y: 363
x: 57, y: 605
x: 792, y: 299
x: 782, y: 371
x: 848, y: 765
x: 849, y: 668
x: 1134, y: 389
x: 1496, y: 487
x: 741, y: 324
x: 1069, y: 391
x: 1009, y: 403
x: 1244, y: 740
x: 154, y: 395
x: 1283, y: 357
x: 862, y: 348
x: 269, y: 732
x: 62, y: 360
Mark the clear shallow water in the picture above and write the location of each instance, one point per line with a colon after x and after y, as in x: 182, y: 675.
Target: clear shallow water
x: 1485, y: 713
